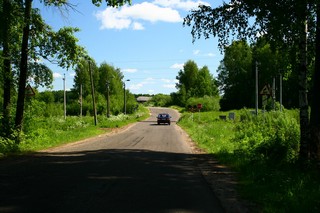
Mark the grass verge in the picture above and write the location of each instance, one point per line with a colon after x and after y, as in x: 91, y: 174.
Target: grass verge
x: 263, y: 153
x: 45, y: 132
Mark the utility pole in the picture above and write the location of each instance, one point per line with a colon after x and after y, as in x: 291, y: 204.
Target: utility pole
x: 124, y: 95
x: 274, y: 93
x: 280, y: 92
x: 108, y: 99
x: 80, y: 101
x: 64, y: 97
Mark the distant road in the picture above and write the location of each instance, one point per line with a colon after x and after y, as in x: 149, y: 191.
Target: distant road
x: 145, y: 168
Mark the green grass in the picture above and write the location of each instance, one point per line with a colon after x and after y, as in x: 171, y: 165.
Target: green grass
x: 44, y: 132
x: 263, y: 152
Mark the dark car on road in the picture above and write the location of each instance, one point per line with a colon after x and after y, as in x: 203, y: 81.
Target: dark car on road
x: 164, y: 118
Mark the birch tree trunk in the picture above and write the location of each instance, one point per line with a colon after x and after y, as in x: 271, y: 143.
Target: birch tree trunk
x: 315, y: 106
x: 303, y: 85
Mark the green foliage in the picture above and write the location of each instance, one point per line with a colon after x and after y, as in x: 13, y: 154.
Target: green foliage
x: 262, y: 150
x: 107, y: 80
x: 42, y: 132
x: 46, y: 96
x: 8, y: 144
x: 194, y: 82
x: 272, y: 136
x: 122, y: 119
x: 210, y: 133
x: 235, y: 78
x: 208, y: 103
x: 280, y: 22
x: 160, y: 100
x: 112, y: 3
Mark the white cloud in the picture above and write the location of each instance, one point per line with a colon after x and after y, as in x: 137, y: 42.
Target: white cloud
x: 211, y: 55
x: 149, y: 80
x: 126, y: 16
x: 57, y: 75
x: 130, y: 70
x: 177, y: 66
x: 171, y: 86
x: 142, y: 84
x: 196, y: 52
x: 151, y: 91
x: 135, y: 86
x: 151, y: 12
x: 180, y: 4
x: 137, y: 26
x: 166, y: 80
x: 111, y: 18
x: 169, y: 83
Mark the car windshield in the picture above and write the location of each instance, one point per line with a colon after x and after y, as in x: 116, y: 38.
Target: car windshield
x: 163, y: 115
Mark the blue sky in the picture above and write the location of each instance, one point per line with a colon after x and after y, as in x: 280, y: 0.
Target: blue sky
x: 145, y: 40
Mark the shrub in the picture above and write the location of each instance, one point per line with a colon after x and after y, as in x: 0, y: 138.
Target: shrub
x: 272, y: 136
x: 208, y: 103
x: 8, y: 145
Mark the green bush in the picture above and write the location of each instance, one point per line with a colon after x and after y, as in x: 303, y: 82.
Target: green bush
x: 269, y: 136
x: 262, y: 151
x: 8, y: 145
x: 208, y: 103
x: 160, y: 100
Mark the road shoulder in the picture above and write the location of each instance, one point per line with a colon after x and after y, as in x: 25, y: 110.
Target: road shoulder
x: 221, y: 179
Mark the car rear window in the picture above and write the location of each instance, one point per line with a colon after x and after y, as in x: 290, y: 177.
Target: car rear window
x: 163, y: 115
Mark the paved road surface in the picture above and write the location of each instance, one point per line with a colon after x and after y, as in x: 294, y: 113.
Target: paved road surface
x: 146, y: 168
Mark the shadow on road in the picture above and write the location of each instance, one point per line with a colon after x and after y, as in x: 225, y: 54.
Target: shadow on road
x: 105, y: 181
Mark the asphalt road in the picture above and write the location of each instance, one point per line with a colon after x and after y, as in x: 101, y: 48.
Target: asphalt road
x: 145, y: 168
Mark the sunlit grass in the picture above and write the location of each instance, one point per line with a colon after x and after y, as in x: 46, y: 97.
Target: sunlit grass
x: 45, y: 132
x: 274, y: 184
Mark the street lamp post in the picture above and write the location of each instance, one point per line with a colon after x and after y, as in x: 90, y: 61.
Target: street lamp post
x: 124, y: 99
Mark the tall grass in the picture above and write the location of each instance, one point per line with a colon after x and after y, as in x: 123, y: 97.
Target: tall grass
x: 263, y: 150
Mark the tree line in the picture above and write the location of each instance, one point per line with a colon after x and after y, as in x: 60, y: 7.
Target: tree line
x: 236, y: 75
x: 292, y: 28
x: 25, y: 39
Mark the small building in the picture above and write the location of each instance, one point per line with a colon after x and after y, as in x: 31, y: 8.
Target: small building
x: 143, y: 99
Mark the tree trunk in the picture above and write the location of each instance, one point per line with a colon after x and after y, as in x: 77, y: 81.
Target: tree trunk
x: 315, y: 106
x: 7, y: 73
x: 303, y: 85
x: 23, y: 67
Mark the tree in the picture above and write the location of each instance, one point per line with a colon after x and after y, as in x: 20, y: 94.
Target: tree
x: 235, y: 77
x: 284, y: 24
x: 67, y: 55
x: 194, y: 82
x: 315, y: 106
x: 8, y: 40
x: 161, y: 100
x: 206, y: 83
x: 187, y: 78
x: 62, y: 45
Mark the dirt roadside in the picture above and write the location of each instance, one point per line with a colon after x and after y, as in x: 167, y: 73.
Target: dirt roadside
x: 221, y: 179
